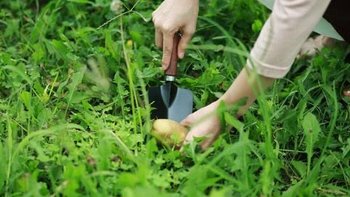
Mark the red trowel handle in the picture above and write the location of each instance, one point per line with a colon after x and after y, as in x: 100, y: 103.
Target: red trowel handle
x: 171, y: 71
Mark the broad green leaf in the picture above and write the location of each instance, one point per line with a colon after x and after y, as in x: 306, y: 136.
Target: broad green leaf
x: 300, y: 167
x: 224, y: 192
x: 77, y: 78
x: 12, y: 28
x: 293, y: 190
x: 39, y: 30
x: 233, y: 122
x: 19, y: 72
x: 111, y: 45
x: 26, y: 98
x: 39, y: 52
x: 311, y: 128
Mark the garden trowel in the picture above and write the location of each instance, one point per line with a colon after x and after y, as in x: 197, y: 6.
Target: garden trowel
x: 168, y: 101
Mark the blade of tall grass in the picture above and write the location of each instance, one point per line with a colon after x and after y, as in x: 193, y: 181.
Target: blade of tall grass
x: 135, y: 107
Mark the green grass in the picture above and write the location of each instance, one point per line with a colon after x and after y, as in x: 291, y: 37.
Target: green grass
x: 74, y: 115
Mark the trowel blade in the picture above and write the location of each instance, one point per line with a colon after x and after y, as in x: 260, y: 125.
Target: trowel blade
x: 170, y: 102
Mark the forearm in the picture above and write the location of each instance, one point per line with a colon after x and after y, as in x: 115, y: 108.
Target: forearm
x: 246, y: 85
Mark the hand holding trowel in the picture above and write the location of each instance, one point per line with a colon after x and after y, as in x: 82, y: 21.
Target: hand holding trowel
x: 169, y: 101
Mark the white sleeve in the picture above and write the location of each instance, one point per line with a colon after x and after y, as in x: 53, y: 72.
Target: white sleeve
x: 283, y: 34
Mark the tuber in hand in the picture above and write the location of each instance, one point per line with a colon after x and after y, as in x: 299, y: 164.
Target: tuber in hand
x: 169, y: 132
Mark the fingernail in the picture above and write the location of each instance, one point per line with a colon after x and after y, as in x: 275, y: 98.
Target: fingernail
x: 164, y: 67
x: 181, y: 55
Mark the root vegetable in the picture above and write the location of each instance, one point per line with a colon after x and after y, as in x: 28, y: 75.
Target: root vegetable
x: 169, y: 132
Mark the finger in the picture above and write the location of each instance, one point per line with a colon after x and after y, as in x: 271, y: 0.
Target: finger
x: 205, y: 145
x: 185, y: 39
x: 209, y: 141
x: 187, y: 121
x: 168, y: 41
x: 158, y: 38
x: 158, y: 32
x: 189, y: 138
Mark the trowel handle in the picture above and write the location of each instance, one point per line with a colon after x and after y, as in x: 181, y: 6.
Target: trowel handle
x: 171, y: 71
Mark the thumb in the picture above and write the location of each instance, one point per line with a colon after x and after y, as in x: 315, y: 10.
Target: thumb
x: 185, y: 39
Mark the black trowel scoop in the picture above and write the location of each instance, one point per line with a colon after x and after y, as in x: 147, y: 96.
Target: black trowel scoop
x: 168, y: 101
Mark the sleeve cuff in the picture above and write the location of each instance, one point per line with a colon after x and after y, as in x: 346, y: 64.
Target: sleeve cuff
x: 266, y: 70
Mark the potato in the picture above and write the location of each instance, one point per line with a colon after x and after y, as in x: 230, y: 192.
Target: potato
x: 169, y: 132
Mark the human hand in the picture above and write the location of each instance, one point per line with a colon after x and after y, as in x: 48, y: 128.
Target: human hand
x: 204, y: 123
x: 313, y: 45
x: 170, y: 17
